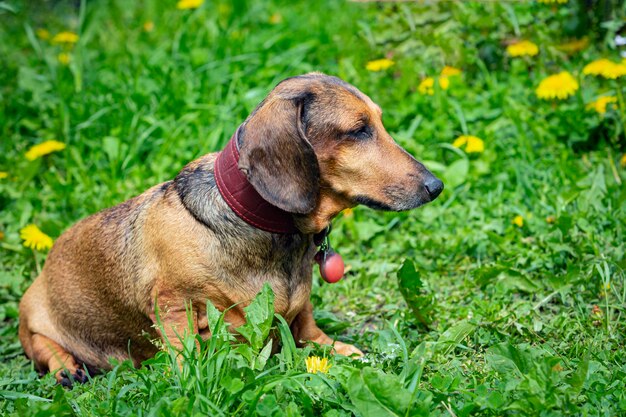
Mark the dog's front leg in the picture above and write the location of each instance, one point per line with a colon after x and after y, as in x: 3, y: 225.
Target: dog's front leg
x: 305, y: 330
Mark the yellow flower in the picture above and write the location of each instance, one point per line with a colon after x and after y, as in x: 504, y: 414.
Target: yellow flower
x: 622, y: 161
x: 148, y: 26
x: 427, y: 86
x: 601, y: 103
x: 64, y: 58
x: 189, y: 4
x: 348, y: 212
x: 35, y: 238
x: 449, y: 71
x: 522, y: 48
x: 44, y: 148
x: 276, y: 18
x: 65, y: 37
x: 574, y: 45
x: 550, y: 219
x: 472, y: 144
x: 315, y: 364
x: 559, y: 86
x: 379, y: 65
x: 42, y: 34
x: 3, y: 175
x: 518, y: 221
x: 605, y: 68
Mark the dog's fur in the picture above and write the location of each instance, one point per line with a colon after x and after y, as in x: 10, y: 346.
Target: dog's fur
x: 315, y: 146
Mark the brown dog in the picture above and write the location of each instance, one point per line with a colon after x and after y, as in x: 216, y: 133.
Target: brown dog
x: 315, y: 146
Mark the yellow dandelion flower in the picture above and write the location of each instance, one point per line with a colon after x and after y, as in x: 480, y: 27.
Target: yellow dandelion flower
x: 44, y: 148
x: 605, y: 68
x: 472, y: 144
x: 276, y: 18
x: 65, y: 37
x: 427, y: 86
x: 189, y: 4
x: 518, y: 221
x: 3, y: 175
x: 522, y: 48
x: 379, y: 65
x: 148, y: 26
x: 64, y: 58
x: 315, y: 364
x: 597, y: 67
x: 558, y: 86
x: 614, y: 71
x: 622, y: 161
x: 35, y: 238
x: 574, y: 45
x: 42, y: 34
x: 449, y: 71
x: 550, y: 219
x: 601, y: 103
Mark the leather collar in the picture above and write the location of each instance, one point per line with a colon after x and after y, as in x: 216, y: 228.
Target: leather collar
x: 243, y: 199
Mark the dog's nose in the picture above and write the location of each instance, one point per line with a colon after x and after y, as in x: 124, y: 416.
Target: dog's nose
x: 434, y: 186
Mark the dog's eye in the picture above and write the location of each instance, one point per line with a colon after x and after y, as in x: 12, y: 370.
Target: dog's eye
x: 363, y: 132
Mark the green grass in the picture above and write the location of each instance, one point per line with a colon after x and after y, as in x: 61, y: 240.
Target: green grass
x: 500, y: 320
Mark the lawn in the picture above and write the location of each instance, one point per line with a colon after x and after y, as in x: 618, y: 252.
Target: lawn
x: 503, y: 297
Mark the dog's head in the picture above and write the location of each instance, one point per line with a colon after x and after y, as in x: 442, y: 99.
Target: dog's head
x: 317, y: 145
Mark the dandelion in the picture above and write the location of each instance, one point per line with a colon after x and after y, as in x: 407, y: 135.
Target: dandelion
x: 276, y: 18
x: 559, y: 86
x: 3, y: 175
x: 605, y: 68
x: 148, y: 26
x: 64, y: 58
x: 315, y: 364
x: 65, y: 37
x: 622, y: 161
x: 522, y: 48
x: 518, y: 221
x: 189, y: 4
x: 427, y: 86
x: 44, y: 148
x: 35, y: 238
x: 449, y: 71
x: 472, y: 144
x: 574, y: 45
x: 379, y: 65
x: 550, y: 219
x: 42, y: 34
x: 614, y: 71
x: 601, y: 104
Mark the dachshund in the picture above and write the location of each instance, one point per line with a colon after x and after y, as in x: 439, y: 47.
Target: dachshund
x: 228, y: 223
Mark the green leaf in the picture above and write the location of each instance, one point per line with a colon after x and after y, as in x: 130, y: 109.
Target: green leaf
x: 454, y: 335
x: 412, y: 289
x: 377, y: 394
x: 259, y: 318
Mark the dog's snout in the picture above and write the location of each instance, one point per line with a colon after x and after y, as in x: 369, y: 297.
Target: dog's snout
x: 434, y: 186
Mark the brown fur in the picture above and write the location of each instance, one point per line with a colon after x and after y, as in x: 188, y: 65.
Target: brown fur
x: 315, y: 146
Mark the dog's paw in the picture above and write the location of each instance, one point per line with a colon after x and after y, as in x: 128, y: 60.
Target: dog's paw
x: 67, y: 379
x: 346, y: 349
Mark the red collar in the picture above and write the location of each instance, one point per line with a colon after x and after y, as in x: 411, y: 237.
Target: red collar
x: 243, y: 199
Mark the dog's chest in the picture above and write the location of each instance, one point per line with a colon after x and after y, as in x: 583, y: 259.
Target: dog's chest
x: 285, y: 265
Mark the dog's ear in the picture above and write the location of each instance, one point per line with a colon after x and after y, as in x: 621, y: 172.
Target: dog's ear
x: 276, y: 156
